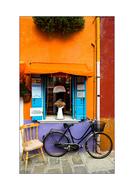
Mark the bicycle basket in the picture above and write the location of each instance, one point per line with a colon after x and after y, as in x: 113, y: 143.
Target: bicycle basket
x: 99, y: 126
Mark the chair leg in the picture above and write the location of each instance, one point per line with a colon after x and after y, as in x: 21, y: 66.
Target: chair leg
x: 26, y: 161
x: 42, y: 153
x: 22, y: 156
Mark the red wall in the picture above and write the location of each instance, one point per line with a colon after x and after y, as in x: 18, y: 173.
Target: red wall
x: 107, y: 67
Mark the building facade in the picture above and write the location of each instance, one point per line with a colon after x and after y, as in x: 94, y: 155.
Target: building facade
x: 70, y: 63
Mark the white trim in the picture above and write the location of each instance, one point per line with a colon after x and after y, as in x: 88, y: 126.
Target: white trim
x: 52, y: 119
x: 98, y: 86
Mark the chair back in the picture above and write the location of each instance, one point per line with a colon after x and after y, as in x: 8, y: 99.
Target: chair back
x: 29, y: 132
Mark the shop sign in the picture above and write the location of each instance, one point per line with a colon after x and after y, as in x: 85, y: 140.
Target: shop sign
x: 36, y: 112
x: 36, y: 90
x: 81, y: 94
x: 80, y: 87
x: 36, y: 87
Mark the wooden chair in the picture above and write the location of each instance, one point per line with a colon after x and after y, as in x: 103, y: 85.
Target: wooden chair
x: 30, y: 141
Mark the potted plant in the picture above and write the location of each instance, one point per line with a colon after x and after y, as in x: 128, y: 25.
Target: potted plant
x: 25, y: 90
x: 25, y: 93
x: 60, y: 104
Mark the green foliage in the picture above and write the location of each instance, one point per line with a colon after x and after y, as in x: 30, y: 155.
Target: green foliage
x: 23, y: 90
x: 59, y: 25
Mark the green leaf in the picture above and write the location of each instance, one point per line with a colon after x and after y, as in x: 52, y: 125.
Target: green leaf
x: 59, y: 25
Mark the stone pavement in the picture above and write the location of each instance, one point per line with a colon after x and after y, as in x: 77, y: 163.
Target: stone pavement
x: 71, y: 163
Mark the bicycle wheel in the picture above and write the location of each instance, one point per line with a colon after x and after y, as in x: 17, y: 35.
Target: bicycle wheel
x: 49, y: 144
x: 99, y: 145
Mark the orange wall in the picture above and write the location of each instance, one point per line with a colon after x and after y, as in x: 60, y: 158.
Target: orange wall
x: 27, y: 107
x: 35, y: 46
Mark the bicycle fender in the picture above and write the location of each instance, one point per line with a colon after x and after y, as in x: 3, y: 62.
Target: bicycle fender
x: 51, y: 131
x: 55, y: 130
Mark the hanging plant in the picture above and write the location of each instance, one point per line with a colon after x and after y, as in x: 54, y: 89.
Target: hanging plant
x: 59, y: 25
x: 25, y: 93
x: 25, y: 89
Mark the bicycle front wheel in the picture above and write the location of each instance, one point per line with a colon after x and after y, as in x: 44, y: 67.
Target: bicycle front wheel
x: 99, y: 145
x: 50, y: 141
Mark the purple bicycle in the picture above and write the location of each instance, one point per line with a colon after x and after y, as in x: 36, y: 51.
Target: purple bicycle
x: 97, y: 143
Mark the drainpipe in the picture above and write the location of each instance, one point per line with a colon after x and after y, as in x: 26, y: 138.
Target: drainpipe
x: 98, y: 66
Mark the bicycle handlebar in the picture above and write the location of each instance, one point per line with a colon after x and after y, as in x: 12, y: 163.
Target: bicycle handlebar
x: 88, y: 119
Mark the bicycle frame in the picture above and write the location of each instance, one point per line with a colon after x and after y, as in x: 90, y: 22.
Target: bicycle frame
x: 73, y: 144
x: 86, y: 134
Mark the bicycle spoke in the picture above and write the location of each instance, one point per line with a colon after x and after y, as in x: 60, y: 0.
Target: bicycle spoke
x: 50, y: 144
x: 99, y: 145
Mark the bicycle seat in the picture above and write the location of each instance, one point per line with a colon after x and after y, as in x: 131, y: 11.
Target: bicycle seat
x: 67, y: 125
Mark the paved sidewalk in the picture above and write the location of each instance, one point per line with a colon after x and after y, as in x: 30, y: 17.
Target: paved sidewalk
x: 71, y: 163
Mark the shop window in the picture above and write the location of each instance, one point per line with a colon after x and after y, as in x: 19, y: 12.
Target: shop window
x: 63, y: 82
x: 47, y: 89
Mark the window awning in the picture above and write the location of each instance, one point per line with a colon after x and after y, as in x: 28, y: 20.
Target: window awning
x: 47, y: 68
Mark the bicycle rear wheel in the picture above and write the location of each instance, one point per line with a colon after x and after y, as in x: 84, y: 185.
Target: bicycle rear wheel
x: 99, y: 145
x: 50, y: 141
